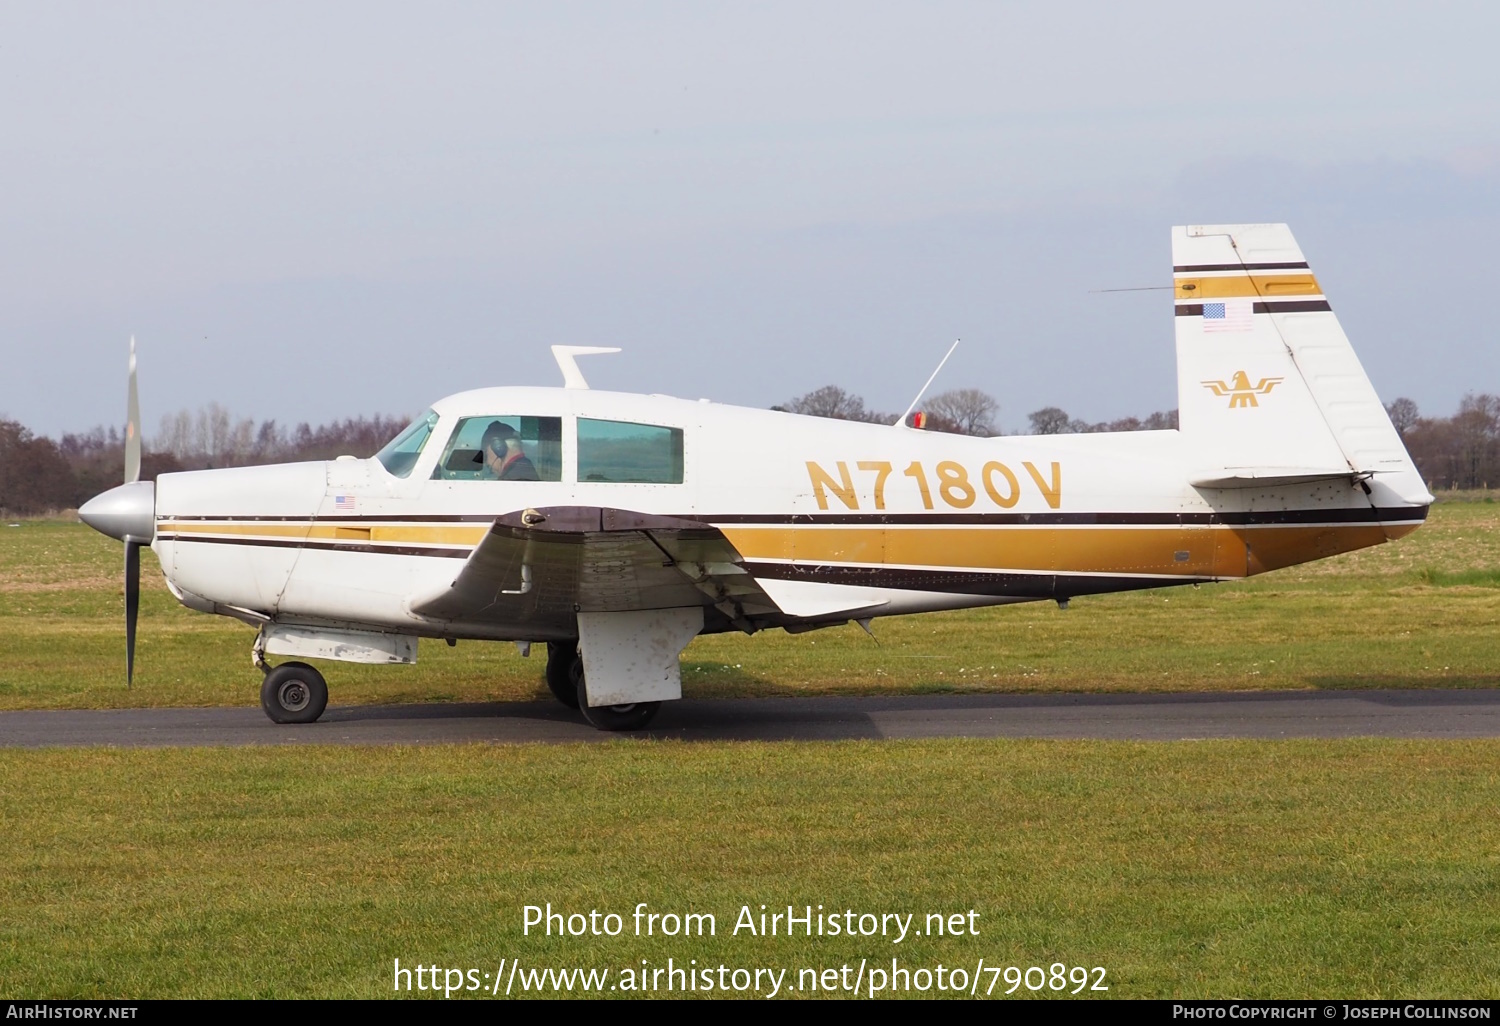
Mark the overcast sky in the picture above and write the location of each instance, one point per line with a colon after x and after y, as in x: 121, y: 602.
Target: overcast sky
x: 309, y: 211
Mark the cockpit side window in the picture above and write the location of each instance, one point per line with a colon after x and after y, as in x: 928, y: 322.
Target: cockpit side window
x: 503, y: 447
x: 400, y: 453
x: 620, y: 451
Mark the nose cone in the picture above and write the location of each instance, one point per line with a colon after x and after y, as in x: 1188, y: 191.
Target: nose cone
x: 127, y: 512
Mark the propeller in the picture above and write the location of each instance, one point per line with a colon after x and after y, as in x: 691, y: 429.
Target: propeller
x: 132, y: 605
x: 128, y: 513
x: 132, y: 547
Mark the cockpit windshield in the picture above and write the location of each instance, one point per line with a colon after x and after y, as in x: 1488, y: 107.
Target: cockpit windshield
x: 400, y: 453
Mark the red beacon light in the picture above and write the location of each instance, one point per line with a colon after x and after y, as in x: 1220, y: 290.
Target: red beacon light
x: 919, y: 420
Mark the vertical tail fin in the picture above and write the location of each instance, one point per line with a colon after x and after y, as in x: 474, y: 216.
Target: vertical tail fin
x: 1268, y: 386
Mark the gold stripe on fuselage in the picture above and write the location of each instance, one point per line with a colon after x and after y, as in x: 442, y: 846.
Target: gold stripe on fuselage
x: 410, y: 534
x: 1219, y: 551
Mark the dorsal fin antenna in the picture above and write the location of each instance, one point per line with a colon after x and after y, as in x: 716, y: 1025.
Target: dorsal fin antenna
x: 566, y: 357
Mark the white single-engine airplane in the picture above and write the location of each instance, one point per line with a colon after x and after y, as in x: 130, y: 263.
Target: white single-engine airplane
x: 616, y: 527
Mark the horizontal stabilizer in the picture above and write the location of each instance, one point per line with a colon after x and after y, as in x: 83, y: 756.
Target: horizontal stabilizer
x: 1250, y: 477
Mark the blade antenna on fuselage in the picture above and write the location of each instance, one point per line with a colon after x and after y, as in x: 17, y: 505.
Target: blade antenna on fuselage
x: 930, y: 379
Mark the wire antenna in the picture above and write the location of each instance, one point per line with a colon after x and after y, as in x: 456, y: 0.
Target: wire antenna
x: 923, y: 392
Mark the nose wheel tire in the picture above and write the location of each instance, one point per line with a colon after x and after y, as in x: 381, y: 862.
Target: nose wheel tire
x: 561, y: 655
x: 294, y: 693
x: 632, y: 716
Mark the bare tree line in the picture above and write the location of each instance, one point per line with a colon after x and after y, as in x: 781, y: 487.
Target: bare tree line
x: 1461, y: 451
x: 212, y: 437
x: 966, y: 411
x: 963, y: 411
x: 1050, y: 420
x: 38, y: 474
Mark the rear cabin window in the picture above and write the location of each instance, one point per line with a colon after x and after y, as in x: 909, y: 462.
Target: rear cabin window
x: 503, y: 448
x: 621, y: 452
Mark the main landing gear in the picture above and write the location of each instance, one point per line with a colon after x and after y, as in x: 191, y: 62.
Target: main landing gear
x: 294, y: 693
x: 561, y: 656
x: 565, y: 681
x: 297, y: 693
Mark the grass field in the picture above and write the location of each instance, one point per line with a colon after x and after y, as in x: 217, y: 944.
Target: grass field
x: 1420, y: 612
x: 1359, y: 868
x: 1351, y: 868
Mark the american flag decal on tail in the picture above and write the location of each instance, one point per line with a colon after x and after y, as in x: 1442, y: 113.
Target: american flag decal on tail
x: 1229, y: 315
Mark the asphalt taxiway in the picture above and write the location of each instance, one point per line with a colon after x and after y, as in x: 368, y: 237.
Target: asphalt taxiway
x: 1149, y: 717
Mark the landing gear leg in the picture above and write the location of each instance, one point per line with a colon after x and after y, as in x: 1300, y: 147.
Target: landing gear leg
x: 294, y: 693
x: 561, y: 655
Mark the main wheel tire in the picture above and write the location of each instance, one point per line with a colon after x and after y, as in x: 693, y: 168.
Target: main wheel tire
x: 294, y: 693
x: 632, y: 716
x: 561, y: 655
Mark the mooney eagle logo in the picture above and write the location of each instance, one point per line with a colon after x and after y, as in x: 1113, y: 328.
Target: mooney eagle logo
x: 1240, y: 391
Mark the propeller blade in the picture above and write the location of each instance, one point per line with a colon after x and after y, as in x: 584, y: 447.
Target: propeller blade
x: 132, y: 604
x: 132, y: 426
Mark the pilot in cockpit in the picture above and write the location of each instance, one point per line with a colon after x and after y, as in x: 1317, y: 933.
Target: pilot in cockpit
x: 504, y: 459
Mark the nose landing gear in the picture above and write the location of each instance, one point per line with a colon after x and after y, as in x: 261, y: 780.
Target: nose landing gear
x: 294, y: 693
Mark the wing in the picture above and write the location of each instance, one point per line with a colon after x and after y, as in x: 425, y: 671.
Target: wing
x: 538, y: 568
